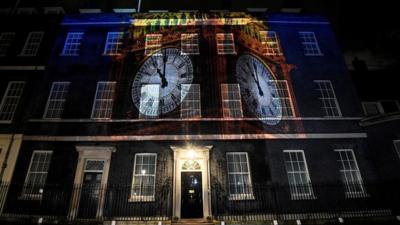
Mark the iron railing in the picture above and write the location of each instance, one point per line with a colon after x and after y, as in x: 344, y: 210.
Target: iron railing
x: 257, y: 202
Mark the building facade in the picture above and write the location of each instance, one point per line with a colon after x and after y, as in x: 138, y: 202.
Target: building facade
x: 218, y: 116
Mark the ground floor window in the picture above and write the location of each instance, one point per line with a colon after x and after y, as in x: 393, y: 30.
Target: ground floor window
x: 144, y: 175
x: 298, y: 176
x: 240, y: 186
x: 37, y: 174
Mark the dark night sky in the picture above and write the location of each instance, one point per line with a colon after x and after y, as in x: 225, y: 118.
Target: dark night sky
x: 367, y: 30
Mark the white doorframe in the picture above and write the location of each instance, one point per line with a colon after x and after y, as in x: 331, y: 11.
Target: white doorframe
x: 201, y: 155
x: 87, y: 153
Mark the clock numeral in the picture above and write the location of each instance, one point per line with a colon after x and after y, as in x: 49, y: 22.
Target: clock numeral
x: 181, y: 65
x: 184, y: 75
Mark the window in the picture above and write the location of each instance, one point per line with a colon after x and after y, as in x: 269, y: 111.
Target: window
x: 270, y: 42
x: 72, y: 43
x: 225, y: 44
x: 6, y: 39
x: 144, y: 176
x: 32, y: 44
x: 190, y: 101
x: 390, y: 106
x: 298, y: 176
x: 149, y: 101
x: 10, y: 100
x: 372, y: 108
x: 281, y: 87
x: 329, y: 103
x: 350, y: 174
x: 190, y: 44
x: 231, y: 101
x: 113, y: 43
x: 152, y: 43
x: 37, y: 174
x: 397, y: 146
x: 310, y: 44
x: 56, y: 100
x: 103, y: 100
x: 239, y: 176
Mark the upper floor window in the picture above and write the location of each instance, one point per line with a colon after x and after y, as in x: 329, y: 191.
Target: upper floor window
x: 350, y: 173
x: 56, y: 100
x: 10, y: 100
x: 225, y: 44
x: 103, y: 100
x: 32, y: 44
x: 310, y: 44
x: 72, y: 43
x: 190, y: 44
x: 190, y: 101
x: 153, y: 43
x: 113, y: 43
x: 144, y: 177
x: 240, y: 186
x: 270, y: 42
x: 329, y: 103
x: 6, y: 39
x: 231, y: 101
x: 397, y: 146
x: 298, y: 176
x: 149, y: 101
x: 281, y: 87
x: 37, y: 174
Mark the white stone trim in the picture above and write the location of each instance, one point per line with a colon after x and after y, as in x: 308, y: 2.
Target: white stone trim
x: 192, y: 137
x: 90, y: 152
x: 202, y: 156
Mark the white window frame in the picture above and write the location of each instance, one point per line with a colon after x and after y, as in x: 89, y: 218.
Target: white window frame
x: 310, y: 43
x: 150, y: 48
x: 25, y: 194
x: 6, y: 39
x: 72, y: 44
x: 143, y: 198
x: 32, y: 43
x: 190, y: 98
x: 271, y: 43
x: 56, y: 104
x: 288, y: 108
x: 294, y: 192
x: 146, y: 89
x: 328, y: 108
x: 190, y: 44
x: 7, y: 97
x: 220, y: 38
x: 226, y: 102
x: 113, y: 45
x: 377, y: 104
x: 245, y: 196
x: 359, y: 181
x: 107, y: 101
x: 396, y: 144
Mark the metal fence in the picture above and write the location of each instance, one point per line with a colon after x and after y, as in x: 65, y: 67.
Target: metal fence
x: 258, y: 202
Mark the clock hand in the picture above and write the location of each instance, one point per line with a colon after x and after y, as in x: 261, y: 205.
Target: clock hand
x: 164, y: 82
x: 260, y: 92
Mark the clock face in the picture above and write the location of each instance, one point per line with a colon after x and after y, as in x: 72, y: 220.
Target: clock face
x: 156, y: 88
x: 257, y: 88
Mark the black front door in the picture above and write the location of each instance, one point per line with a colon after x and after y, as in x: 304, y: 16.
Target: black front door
x: 192, y: 198
x: 90, y: 193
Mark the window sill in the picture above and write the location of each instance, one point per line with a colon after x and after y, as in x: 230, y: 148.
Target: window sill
x: 30, y: 197
x: 303, y: 197
x: 141, y: 199
x: 241, y: 197
x: 5, y: 121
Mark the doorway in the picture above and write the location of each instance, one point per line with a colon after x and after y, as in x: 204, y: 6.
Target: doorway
x: 192, y: 197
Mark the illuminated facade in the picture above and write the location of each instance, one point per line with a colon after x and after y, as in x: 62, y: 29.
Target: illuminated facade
x: 214, y: 116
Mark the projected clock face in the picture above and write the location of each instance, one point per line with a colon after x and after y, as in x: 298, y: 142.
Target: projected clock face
x: 156, y: 88
x: 257, y: 88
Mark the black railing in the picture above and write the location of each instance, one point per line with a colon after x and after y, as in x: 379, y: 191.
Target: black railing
x: 271, y: 201
x: 256, y: 202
